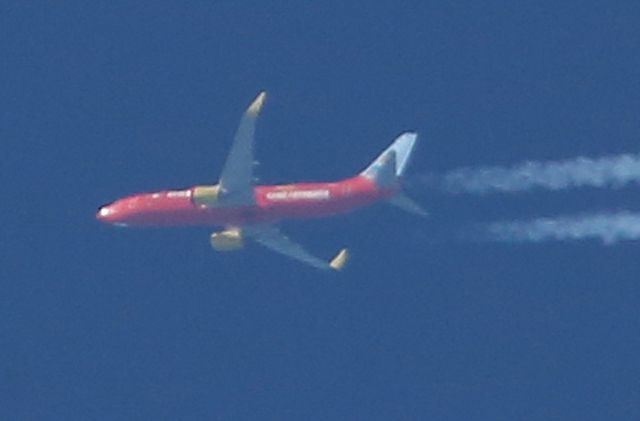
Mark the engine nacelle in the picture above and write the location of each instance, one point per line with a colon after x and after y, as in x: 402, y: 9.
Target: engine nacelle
x: 206, y: 195
x: 227, y: 240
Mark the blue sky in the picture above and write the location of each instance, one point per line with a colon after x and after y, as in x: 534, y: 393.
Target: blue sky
x: 109, y: 98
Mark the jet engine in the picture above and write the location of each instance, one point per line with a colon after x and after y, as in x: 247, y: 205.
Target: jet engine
x: 227, y: 240
x: 206, y: 195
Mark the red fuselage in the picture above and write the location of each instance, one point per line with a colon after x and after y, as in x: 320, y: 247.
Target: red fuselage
x: 272, y: 204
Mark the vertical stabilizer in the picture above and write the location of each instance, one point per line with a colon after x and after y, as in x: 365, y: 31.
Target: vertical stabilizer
x: 391, y: 165
x: 399, y: 152
x: 383, y: 170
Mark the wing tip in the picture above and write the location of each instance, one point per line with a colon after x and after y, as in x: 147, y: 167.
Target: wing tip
x: 257, y: 103
x: 340, y: 261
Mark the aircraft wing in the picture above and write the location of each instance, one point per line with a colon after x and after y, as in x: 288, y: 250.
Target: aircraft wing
x: 236, y: 180
x: 270, y: 237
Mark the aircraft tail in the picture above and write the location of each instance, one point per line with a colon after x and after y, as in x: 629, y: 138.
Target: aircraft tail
x: 389, y: 167
x: 392, y: 162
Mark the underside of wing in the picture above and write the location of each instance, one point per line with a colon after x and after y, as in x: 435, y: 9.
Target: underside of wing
x: 236, y: 181
x: 271, y: 238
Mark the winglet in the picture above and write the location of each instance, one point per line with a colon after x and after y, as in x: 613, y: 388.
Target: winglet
x: 257, y: 103
x: 340, y: 261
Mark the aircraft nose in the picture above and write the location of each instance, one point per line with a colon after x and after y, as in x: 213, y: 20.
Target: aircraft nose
x: 105, y: 214
x: 114, y: 213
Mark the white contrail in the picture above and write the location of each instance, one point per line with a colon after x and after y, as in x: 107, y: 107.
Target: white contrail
x: 610, y: 171
x: 608, y: 227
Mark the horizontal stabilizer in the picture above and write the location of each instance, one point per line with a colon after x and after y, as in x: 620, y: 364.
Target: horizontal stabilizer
x: 407, y: 204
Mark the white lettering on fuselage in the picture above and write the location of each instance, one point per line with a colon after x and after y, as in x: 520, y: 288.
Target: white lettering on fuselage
x: 321, y: 194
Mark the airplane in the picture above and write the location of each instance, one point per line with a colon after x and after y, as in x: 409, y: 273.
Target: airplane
x: 248, y: 211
